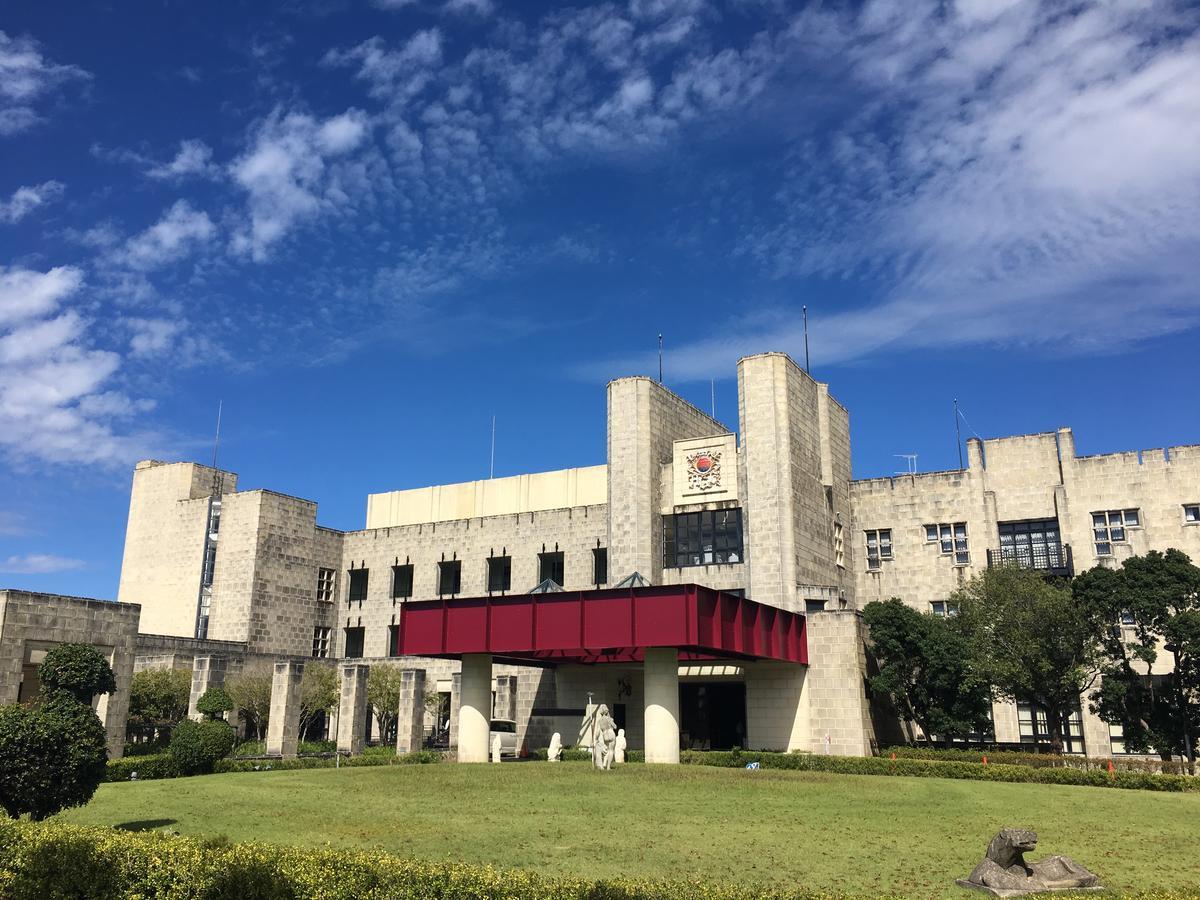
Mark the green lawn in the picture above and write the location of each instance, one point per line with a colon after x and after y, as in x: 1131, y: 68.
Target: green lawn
x: 835, y: 832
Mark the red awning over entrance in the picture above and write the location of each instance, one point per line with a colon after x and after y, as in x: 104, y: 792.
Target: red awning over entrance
x: 599, y: 626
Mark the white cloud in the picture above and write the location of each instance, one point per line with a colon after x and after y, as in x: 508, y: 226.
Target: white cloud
x: 152, y: 337
x: 181, y: 230
x: 25, y: 76
x: 25, y: 293
x: 470, y: 7
x: 288, y: 176
x: 12, y: 524
x: 26, y: 199
x: 39, y: 564
x: 193, y: 158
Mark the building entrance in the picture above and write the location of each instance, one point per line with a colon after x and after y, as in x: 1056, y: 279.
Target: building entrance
x: 712, y: 715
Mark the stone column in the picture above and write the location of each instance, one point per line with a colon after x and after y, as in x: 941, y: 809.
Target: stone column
x: 353, y: 709
x: 661, y: 674
x: 475, y: 707
x: 455, y: 697
x: 410, y: 717
x: 283, y: 725
x: 506, y: 697
x: 207, y: 672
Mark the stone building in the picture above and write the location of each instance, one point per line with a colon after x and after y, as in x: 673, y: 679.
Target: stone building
x: 769, y: 517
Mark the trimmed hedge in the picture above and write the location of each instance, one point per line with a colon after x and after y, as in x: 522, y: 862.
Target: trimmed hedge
x: 1039, y: 760
x: 421, y: 757
x: 578, y: 754
x: 148, y: 768
x: 922, y: 768
x: 55, y: 860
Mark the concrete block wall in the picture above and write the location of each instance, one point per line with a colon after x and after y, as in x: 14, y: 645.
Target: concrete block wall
x: 834, y: 685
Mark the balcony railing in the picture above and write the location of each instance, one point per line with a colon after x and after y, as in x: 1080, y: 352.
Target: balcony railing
x: 1051, y: 558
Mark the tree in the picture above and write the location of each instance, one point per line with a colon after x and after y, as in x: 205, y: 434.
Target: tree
x: 925, y: 670
x: 1159, y: 594
x: 318, y: 693
x: 214, y: 703
x: 196, y: 746
x: 383, y: 693
x: 159, y: 697
x: 53, y: 755
x: 78, y: 670
x: 251, y: 694
x: 1030, y: 640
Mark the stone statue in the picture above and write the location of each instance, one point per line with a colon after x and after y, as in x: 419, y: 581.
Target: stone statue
x: 606, y: 739
x: 619, y: 748
x: 1005, y: 873
x: 554, y: 754
x: 496, y: 745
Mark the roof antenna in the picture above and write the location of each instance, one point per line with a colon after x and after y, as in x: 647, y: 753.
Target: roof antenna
x: 805, y: 311
x: 218, y: 481
x: 712, y: 384
x: 957, y: 433
x: 910, y: 464
x: 660, y: 359
x: 492, y: 463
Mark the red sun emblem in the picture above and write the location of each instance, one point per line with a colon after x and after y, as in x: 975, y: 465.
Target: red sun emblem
x: 703, y: 464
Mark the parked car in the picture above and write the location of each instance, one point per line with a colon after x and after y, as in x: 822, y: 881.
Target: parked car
x: 506, y: 730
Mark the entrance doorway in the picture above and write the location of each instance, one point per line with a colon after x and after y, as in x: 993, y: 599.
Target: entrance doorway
x: 712, y: 715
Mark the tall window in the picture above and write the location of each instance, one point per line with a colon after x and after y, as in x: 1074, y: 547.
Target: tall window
x: 210, y: 564
x: 449, y: 576
x: 358, y: 585
x: 393, y: 640
x: 1035, y: 728
x: 1032, y: 544
x: 600, y: 566
x: 551, y: 566
x: 879, y: 547
x: 1109, y: 528
x: 951, y: 537
x: 839, y: 545
x: 320, y: 642
x: 499, y: 573
x: 702, y: 538
x: 355, y: 638
x: 1191, y: 513
x: 325, y: 579
x: 402, y: 582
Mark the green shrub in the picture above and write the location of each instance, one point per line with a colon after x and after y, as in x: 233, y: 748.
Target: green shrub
x: 214, y: 703
x: 921, y: 768
x: 1038, y: 760
x: 259, y: 748
x: 420, y: 757
x: 148, y: 768
x: 79, y: 670
x: 196, y: 746
x: 52, y: 756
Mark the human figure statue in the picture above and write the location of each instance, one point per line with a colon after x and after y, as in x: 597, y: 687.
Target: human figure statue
x: 619, y: 749
x: 554, y: 754
x: 1003, y: 872
x: 496, y: 749
x: 606, y: 739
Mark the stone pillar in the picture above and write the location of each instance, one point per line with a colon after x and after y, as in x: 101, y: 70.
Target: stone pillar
x: 506, y: 697
x: 410, y: 717
x: 661, y: 675
x: 353, y: 709
x: 475, y: 707
x: 283, y: 725
x: 207, y: 672
x: 455, y: 697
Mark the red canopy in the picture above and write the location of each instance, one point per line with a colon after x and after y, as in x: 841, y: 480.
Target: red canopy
x: 615, y: 625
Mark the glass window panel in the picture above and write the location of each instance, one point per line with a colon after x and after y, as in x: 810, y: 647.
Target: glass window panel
x: 1131, y: 518
x: 1099, y: 521
x: 931, y: 533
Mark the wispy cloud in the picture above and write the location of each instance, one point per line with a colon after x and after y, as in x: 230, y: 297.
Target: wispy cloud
x: 180, y: 230
x: 26, y: 77
x: 194, y: 158
x: 39, y: 564
x: 26, y: 199
x: 12, y: 524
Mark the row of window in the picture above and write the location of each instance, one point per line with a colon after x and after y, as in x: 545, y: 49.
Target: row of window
x: 356, y: 639
x: 951, y: 538
x: 551, y: 567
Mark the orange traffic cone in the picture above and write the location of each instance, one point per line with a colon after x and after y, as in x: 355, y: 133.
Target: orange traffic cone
x: 1112, y: 773
x: 985, y: 759
x: 893, y: 755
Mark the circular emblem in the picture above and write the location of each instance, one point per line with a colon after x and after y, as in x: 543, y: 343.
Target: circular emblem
x: 703, y: 464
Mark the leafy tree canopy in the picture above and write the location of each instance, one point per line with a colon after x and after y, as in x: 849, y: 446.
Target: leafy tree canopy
x: 383, y: 693
x: 79, y: 670
x: 159, y: 696
x: 251, y: 694
x: 319, y: 687
x: 214, y: 703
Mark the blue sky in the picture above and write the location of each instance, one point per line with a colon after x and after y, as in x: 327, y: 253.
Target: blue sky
x: 368, y: 227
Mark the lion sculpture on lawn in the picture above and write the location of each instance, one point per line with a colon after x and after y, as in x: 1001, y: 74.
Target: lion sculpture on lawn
x: 1005, y: 873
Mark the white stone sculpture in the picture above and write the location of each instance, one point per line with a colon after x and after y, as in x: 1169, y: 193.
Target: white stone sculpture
x: 554, y: 754
x: 619, y: 749
x: 496, y: 748
x: 606, y: 739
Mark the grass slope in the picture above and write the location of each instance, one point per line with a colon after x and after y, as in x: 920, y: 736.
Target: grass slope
x: 833, y: 832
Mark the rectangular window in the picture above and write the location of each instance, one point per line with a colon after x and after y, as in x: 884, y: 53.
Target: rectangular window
x: 600, y: 566
x: 814, y: 606
x: 355, y: 638
x: 1191, y: 513
x: 1116, y: 739
x: 320, y: 642
x: 1109, y: 526
x: 713, y: 536
x: 358, y: 585
x: 1035, y: 729
x: 951, y: 538
x: 942, y: 608
x: 551, y: 566
x: 499, y: 574
x: 879, y: 547
x: 210, y: 564
x: 393, y: 640
x: 325, y: 580
x: 449, y: 577
x: 1032, y: 544
x: 839, y: 546
x: 402, y: 582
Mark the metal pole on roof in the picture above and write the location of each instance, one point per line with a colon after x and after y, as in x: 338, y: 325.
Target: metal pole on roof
x: 804, y: 309
x: 712, y: 384
x: 957, y: 433
x: 492, y: 462
x: 660, y: 359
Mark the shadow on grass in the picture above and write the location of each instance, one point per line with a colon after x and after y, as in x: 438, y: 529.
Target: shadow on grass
x: 144, y: 824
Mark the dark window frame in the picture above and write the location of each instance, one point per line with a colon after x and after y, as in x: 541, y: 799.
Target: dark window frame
x: 599, y: 566
x: 452, y: 569
x: 552, y: 564
x: 402, y: 581
x: 356, y: 590
x: 499, y: 574
x: 355, y: 639
x: 706, y: 538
